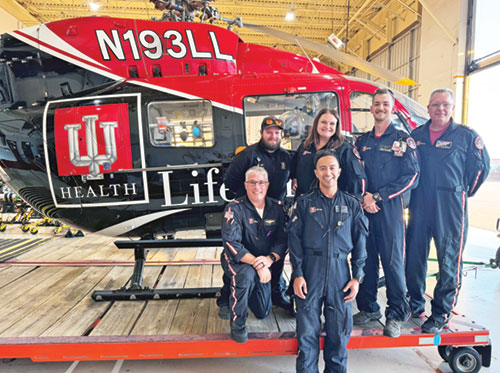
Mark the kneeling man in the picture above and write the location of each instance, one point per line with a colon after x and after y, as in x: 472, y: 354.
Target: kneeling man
x: 326, y: 226
x: 253, y: 235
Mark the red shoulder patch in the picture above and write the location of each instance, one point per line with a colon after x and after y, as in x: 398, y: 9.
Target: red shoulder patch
x: 411, y: 143
x: 478, y: 142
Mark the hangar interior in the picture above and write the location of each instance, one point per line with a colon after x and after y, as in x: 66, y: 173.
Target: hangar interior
x: 436, y: 43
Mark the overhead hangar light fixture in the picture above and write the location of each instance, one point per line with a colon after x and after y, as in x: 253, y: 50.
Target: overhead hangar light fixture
x: 94, y: 6
x: 334, y: 41
x: 290, y: 16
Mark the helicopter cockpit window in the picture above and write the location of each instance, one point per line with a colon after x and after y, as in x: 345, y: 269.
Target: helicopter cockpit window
x: 181, y: 123
x: 362, y: 119
x: 297, y: 111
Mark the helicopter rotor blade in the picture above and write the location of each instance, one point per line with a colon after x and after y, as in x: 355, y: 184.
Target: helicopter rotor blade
x: 334, y: 54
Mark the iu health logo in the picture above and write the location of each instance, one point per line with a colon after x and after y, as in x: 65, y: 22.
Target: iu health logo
x: 92, y: 140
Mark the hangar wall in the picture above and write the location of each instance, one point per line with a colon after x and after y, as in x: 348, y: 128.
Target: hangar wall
x: 441, y: 60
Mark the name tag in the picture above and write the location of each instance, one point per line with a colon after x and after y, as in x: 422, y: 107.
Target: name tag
x: 341, y: 209
x: 385, y: 148
x: 444, y: 144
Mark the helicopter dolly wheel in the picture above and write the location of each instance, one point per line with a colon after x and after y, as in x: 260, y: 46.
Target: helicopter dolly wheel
x: 444, y: 352
x: 464, y: 360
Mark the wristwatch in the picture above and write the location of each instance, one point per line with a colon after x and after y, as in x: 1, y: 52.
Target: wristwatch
x: 376, y: 197
x: 273, y: 257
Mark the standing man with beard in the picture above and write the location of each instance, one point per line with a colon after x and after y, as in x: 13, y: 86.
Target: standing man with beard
x: 454, y: 164
x: 268, y: 154
x: 392, y: 171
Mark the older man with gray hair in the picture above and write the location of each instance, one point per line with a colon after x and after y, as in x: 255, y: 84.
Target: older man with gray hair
x: 453, y: 163
x: 253, y: 235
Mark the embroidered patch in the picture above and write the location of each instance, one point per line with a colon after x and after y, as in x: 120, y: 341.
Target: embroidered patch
x: 251, y: 221
x: 479, y: 143
x: 312, y: 210
x: 411, y: 143
x: 444, y: 144
x: 365, y: 148
x: 228, y: 216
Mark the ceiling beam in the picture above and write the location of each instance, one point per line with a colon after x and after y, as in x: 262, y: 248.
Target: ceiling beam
x: 18, y: 12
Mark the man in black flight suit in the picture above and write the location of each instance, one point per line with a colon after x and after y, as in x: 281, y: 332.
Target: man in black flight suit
x: 268, y: 154
x: 454, y: 164
x: 392, y: 170
x: 326, y: 225
x: 253, y: 235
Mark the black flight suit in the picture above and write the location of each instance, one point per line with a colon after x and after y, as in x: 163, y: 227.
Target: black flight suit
x: 392, y: 169
x: 243, y: 232
x: 452, y: 170
x: 277, y: 164
x: 321, y: 233
x: 351, y: 180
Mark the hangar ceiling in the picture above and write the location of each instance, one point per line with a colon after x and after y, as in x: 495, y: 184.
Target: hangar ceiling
x: 369, y: 24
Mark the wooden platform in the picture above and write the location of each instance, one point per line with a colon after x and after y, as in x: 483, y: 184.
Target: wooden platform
x: 46, y: 312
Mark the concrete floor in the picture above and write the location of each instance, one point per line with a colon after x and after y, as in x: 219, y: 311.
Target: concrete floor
x: 479, y: 300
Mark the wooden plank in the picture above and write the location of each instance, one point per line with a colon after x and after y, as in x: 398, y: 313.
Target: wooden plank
x: 158, y: 316
x: 11, y: 274
x: 57, y: 248
x: 25, y: 303
x: 28, y: 286
x: 214, y: 323
x: 86, y: 312
x: 285, y: 321
x: 122, y: 316
x: 55, y: 307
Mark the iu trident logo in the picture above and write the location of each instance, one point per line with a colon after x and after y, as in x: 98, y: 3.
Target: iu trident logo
x: 92, y: 140
x: 93, y: 159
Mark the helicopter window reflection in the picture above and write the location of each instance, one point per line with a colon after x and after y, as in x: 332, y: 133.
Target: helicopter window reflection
x: 362, y: 119
x: 297, y: 111
x: 181, y: 123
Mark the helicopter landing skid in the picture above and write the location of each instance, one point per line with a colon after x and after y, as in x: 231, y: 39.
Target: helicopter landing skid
x: 137, y: 292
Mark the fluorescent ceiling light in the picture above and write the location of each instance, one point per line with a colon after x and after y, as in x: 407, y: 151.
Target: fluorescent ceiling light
x: 94, y: 7
x: 290, y: 16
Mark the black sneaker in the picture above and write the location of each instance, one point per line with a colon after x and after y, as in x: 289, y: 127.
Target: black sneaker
x: 363, y: 317
x: 239, y: 334
x: 224, y: 312
x: 433, y: 326
x: 392, y: 328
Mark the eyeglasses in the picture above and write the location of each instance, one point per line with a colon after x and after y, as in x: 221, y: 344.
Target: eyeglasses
x: 254, y: 183
x: 277, y: 122
x: 437, y: 105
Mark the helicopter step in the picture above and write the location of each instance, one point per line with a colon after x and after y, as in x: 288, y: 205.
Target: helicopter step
x: 136, y: 292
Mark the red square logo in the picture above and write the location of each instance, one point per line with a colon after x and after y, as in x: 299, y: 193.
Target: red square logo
x: 92, y: 140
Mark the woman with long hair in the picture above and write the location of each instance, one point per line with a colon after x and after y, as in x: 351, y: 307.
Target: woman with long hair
x: 326, y: 133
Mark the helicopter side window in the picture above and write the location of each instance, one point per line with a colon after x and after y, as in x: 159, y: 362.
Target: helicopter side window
x: 362, y: 119
x: 297, y: 111
x: 181, y: 123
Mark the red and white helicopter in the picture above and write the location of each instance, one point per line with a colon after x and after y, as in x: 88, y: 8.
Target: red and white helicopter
x: 125, y: 127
